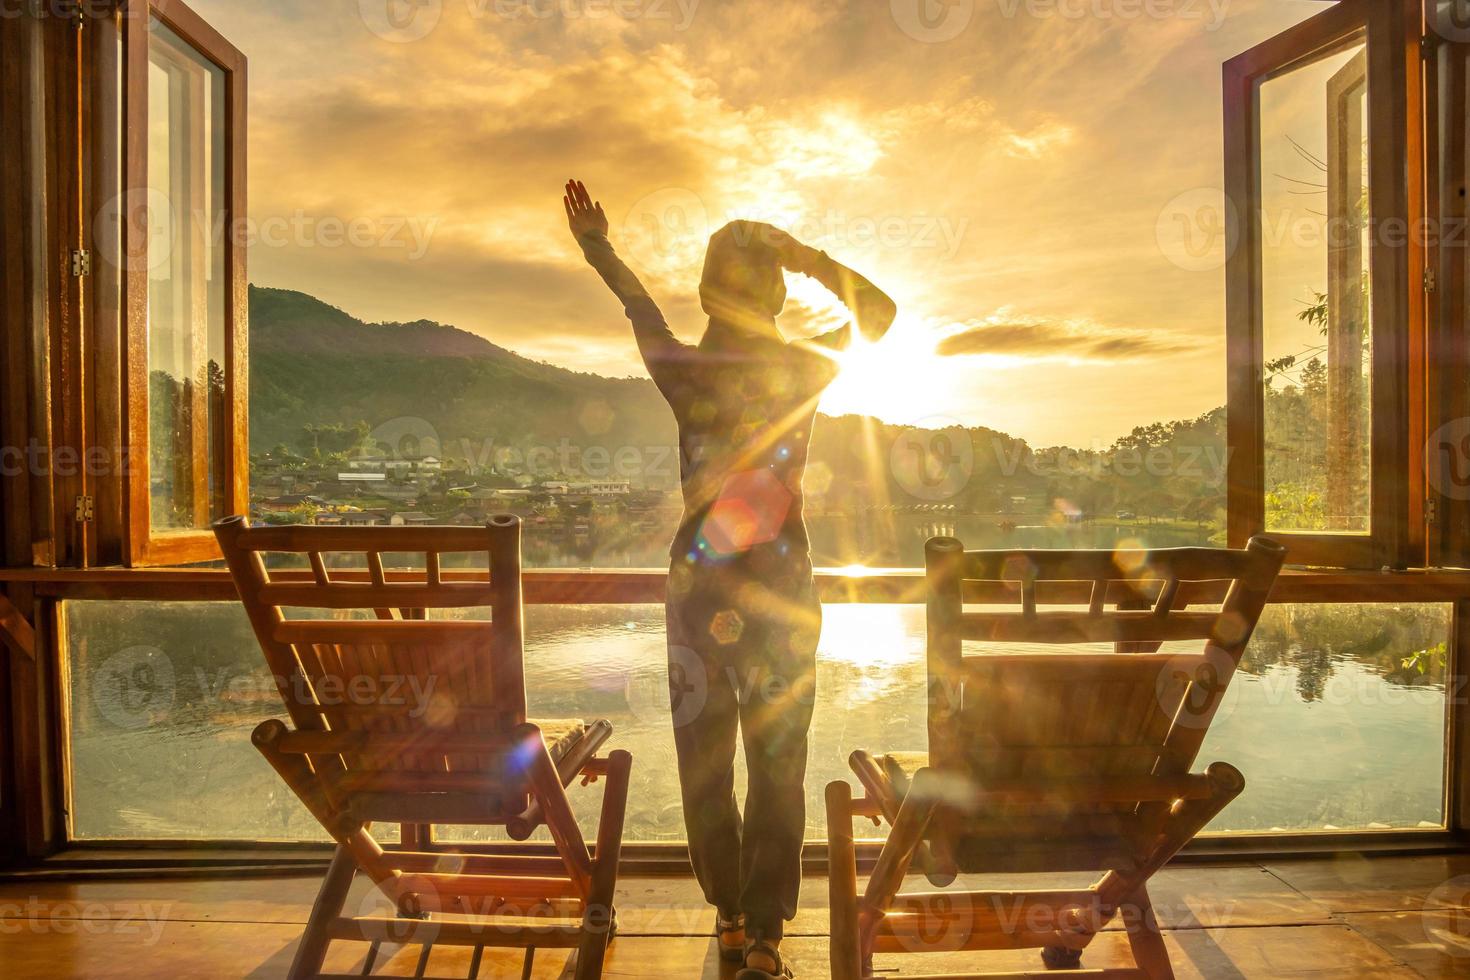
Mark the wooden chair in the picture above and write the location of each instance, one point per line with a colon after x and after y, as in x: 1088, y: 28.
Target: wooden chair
x: 1049, y: 761
x: 416, y: 721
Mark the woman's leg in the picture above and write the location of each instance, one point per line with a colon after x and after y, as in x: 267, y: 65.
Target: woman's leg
x: 705, y: 717
x: 778, y: 691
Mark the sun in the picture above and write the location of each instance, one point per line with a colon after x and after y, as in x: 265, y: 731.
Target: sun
x: 899, y: 379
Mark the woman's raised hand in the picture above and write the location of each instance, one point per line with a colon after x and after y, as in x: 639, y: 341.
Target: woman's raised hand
x: 792, y: 254
x: 583, y: 215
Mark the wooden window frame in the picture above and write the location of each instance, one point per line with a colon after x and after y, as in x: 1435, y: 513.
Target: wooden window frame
x: 33, y: 801
x: 1390, y: 31
x: 143, y: 545
x: 1447, y: 160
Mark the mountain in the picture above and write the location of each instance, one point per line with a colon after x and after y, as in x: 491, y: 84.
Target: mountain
x: 312, y: 364
x: 321, y: 380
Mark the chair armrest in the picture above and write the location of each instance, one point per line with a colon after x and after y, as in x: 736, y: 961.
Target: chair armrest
x: 877, y: 784
x: 576, y: 758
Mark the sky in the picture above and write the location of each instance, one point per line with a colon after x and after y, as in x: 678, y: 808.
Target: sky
x: 1035, y: 182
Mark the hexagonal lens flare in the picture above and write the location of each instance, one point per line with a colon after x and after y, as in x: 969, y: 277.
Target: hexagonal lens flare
x: 726, y: 627
x: 750, y: 510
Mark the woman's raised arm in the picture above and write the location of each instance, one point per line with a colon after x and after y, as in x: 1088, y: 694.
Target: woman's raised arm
x: 661, y: 350
x: 870, y: 306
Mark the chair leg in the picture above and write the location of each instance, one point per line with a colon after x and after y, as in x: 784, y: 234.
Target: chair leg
x: 904, y: 837
x: 1145, y: 937
x: 903, y: 841
x: 846, y: 949
x: 312, y: 951
x: 600, y: 918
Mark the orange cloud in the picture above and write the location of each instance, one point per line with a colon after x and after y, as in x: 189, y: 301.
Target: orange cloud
x: 1057, y: 339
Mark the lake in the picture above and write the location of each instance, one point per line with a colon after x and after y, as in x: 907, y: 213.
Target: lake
x: 1329, y: 734
x: 881, y: 539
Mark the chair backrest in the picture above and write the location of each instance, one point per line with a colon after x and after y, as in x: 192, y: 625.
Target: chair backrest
x: 1092, y: 715
x: 377, y: 666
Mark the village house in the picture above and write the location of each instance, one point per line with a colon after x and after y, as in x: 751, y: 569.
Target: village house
x: 286, y: 503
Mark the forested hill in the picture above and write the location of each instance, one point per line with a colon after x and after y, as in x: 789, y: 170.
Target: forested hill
x: 321, y: 380
x: 313, y: 364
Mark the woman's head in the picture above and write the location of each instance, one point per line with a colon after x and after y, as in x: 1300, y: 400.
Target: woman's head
x: 743, y: 283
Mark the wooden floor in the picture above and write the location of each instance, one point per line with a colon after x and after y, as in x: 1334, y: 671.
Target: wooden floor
x: 1344, y: 917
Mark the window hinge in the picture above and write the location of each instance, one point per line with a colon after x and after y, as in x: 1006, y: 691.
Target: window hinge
x: 84, y: 509
x: 1431, y: 511
x: 81, y: 262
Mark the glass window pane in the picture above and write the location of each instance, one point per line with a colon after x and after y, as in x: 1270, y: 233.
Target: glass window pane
x: 1358, y: 694
x: 1315, y: 295
x: 163, y: 699
x: 164, y: 696
x: 187, y: 411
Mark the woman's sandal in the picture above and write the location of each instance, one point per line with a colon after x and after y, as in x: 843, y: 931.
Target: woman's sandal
x: 782, y: 971
x: 731, y: 934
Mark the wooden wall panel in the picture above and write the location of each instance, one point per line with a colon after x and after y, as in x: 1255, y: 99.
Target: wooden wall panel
x: 103, y: 329
x: 23, y: 322
x: 64, y: 91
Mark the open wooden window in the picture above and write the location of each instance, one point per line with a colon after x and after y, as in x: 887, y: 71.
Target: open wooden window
x: 184, y: 287
x: 1447, y: 449
x: 1320, y: 314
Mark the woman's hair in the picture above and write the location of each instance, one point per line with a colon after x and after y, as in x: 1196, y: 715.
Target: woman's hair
x: 742, y: 282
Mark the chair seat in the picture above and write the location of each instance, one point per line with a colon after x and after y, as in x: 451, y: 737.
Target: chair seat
x: 456, y: 797
x: 1075, y: 839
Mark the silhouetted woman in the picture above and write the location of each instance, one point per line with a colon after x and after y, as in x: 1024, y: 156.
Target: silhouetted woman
x: 743, y: 616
